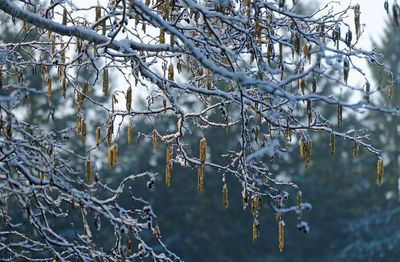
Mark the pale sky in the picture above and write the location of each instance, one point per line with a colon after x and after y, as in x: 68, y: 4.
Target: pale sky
x: 372, y: 19
x: 373, y: 16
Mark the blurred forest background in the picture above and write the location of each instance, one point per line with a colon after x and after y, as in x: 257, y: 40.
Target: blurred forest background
x: 351, y: 218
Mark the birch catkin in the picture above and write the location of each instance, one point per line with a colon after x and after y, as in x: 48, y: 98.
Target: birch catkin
x: 202, y: 162
x: 129, y: 99
x: 129, y: 133
x: 281, y: 243
x: 105, y: 82
x: 379, y: 171
x: 154, y: 137
x: 63, y: 87
x: 256, y: 227
x: 110, y: 158
x: 302, y: 148
x: 98, y: 136
x: 225, y: 196
x: 355, y: 150
x: 49, y: 86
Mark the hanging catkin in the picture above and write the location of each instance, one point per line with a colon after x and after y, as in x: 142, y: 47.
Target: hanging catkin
x: 105, y: 82
x: 379, y: 171
x: 202, y: 162
x: 129, y: 133
x: 225, y: 196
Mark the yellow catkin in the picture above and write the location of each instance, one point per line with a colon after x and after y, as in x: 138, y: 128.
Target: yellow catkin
x: 298, y: 198
x: 202, y: 161
x: 144, y: 27
x: 64, y: 87
x: 88, y: 171
x: 203, y: 150
x: 25, y: 26
x: 258, y: 202
x: 162, y: 36
x: 253, y: 206
x: 98, y: 136
x: 103, y: 28
x: 355, y: 150
x: 137, y: 19
x: 302, y: 148
x: 225, y: 196
x: 171, y: 72
x: 302, y: 85
x: 78, y: 44
x: 109, y: 132
x: 172, y: 40
x: 154, y: 137
x: 379, y: 171
x: 95, y: 50
x: 78, y: 125
x: 85, y: 88
x: 187, y: 64
x: 98, y: 13
x: 339, y: 115
x: 60, y: 72
x: 112, y: 102
x: 43, y: 69
x: 168, y: 167
x: 256, y: 227
x: 200, y: 178
x: 41, y: 176
x: 62, y: 54
x: 49, y: 86
x: 110, y: 158
x: 64, y: 20
x: 129, y: 99
x: 105, y: 82
x: 244, y: 198
x: 83, y: 130
x: 208, y: 82
x: 114, y: 154
x: 281, y: 243
x: 332, y: 145
x: 248, y: 10
x: 307, y: 153
x: 129, y: 133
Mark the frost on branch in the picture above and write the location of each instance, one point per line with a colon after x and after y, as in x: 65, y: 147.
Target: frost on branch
x: 256, y: 67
